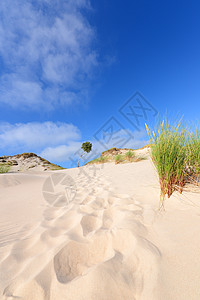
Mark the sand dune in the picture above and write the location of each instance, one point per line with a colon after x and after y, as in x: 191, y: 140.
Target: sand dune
x: 97, y: 234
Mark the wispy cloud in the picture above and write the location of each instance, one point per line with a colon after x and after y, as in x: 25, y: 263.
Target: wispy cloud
x: 35, y: 136
x: 46, y: 52
x: 62, y: 153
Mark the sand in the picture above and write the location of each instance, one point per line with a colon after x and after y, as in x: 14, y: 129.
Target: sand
x: 96, y: 233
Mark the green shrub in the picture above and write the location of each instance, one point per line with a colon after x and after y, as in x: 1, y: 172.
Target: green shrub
x: 118, y: 158
x: 4, y: 168
x: 130, y: 155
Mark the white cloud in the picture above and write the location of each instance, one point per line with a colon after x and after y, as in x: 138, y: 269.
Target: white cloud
x: 44, y: 45
x: 61, y: 153
x: 35, y: 136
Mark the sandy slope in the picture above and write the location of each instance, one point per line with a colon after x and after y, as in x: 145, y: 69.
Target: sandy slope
x: 95, y: 233
x: 27, y: 162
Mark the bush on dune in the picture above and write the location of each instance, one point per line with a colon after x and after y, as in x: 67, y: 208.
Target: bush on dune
x: 4, y: 168
x: 175, y: 153
x: 118, y: 158
x: 130, y: 155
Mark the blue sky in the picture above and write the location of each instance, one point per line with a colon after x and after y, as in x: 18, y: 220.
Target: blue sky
x: 68, y: 67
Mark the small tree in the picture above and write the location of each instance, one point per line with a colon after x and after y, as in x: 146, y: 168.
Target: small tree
x: 87, y: 147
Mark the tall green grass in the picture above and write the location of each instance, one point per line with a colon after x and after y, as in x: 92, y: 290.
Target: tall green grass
x: 193, y: 155
x: 174, y: 151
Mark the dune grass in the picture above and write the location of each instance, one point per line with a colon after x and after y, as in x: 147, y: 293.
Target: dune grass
x: 4, y: 168
x: 139, y: 158
x: 102, y: 159
x: 99, y: 160
x: 176, y: 155
x: 129, y: 155
x: 193, y: 156
x: 118, y: 158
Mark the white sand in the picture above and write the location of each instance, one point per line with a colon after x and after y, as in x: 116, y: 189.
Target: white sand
x: 100, y: 237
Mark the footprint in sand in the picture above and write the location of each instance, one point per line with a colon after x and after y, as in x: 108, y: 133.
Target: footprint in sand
x: 90, y: 223
x: 75, y: 259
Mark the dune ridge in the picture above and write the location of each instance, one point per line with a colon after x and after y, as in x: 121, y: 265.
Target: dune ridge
x: 26, y: 162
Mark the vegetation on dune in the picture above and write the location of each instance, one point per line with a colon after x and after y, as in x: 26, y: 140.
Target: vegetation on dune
x: 54, y: 167
x: 26, y: 155
x: 4, y: 168
x: 110, y: 151
x: 139, y: 158
x: 20, y: 160
x: 175, y: 153
x: 130, y: 155
x: 146, y: 146
x: 118, y: 155
x: 193, y: 155
x: 99, y: 160
x: 102, y: 159
x: 119, y: 158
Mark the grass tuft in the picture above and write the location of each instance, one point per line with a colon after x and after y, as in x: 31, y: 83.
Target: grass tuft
x: 139, y: 158
x: 130, y: 155
x: 4, y: 168
x: 168, y: 155
x: 102, y: 159
x: 176, y: 155
x: 193, y: 156
x: 118, y: 158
